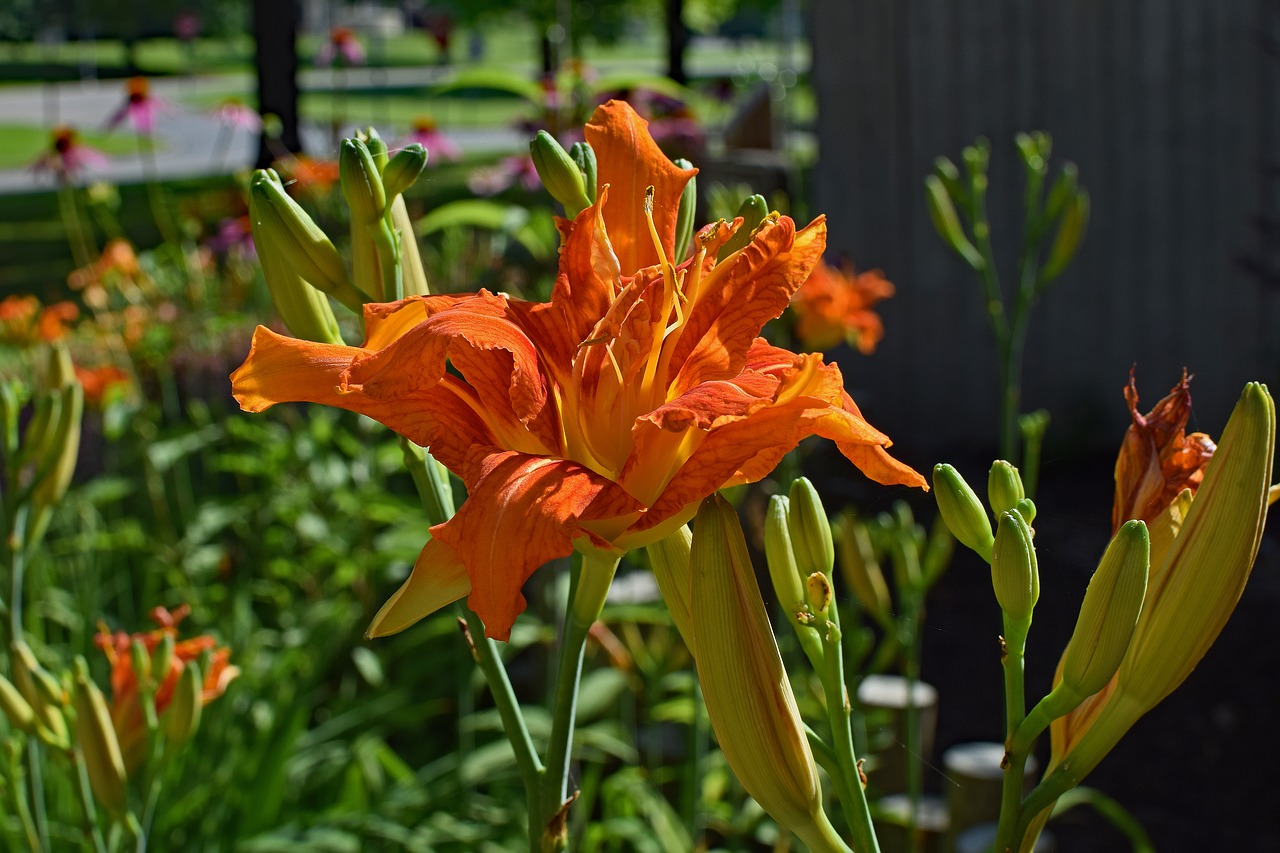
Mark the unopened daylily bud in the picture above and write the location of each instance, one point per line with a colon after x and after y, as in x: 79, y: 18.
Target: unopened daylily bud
x: 1004, y: 487
x: 42, y: 691
x: 96, y: 738
x: 59, y: 445
x: 685, y: 215
x: 947, y: 223
x: 1070, y: 233
x: 1027, y: 509
x: 818, y: 590
x: 182, y: 717
x: 304, y: 309
x: 860, y: 568
x: 1014, y: 573
x: 1109, y: 612
x: 560, y: 175
x: 17, y: 709
x: 162, y: 657
x: 585, y: 158
x: 282, y: 228
x: 669, y: 562
x: 376, y: 145
x: 810, y: 529
x: 962, y: 511
x: 780, y: 555
x: 414, y: 274
x: 403, y: 169
x: 747, y: 692
x: 753, y: 210
x: 361, y: 182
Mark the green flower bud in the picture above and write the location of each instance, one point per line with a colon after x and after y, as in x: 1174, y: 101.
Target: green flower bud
x: 1014, y: 573
x: 753, y: 211
x: 1070, y: 234
x: 404, y: 168
x: 361, y: 182
x: 860, y: 568
x: 818, y: 589
x: 585, y: 158
x: 810, y: 530
x: 43, y: 693
x: 182, y: 717
x: 1004, y: 487
x: 669, y: 562
x: 1109, y: 613
x: 559, y: 173
x: 17, y: 709
x: 1027, y: 509
x: 377, y: 147
x: 161, y: 658
x: 58, y: 462
x: 685, y: 216
x: 947, y: 223
x: 780, y: 555
x: 96, y: 739
x: 962, y: 511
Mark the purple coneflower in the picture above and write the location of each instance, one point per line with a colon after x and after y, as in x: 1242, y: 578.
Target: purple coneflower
x: 67, y: 156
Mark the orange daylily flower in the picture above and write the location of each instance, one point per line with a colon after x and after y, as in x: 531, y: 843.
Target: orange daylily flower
x: 601, y: 418
x: 835, y: 305
x: 97, y: 380
x: 126, y: 707
x: 1158, y: 459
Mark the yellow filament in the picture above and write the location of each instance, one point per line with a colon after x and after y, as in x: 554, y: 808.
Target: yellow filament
x: 693, y: 282
x: 669, y: 288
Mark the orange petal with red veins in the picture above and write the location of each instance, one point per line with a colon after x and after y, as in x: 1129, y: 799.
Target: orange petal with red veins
x: 438, y: 579
x: 629, y: 161
x: 589, y: 275
x: 742, y: 294
x: 522, y: 511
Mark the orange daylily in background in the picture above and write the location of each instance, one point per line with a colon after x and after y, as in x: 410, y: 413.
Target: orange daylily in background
x: 1158, y: 459
x: 126, y: 709
x: 24, y: 321
x: 96, y: 381
x: 835, y: 305
x: 599, y: 419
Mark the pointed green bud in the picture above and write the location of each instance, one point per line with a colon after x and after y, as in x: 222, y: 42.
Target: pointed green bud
x: 947, y: 172
x: 96, y: 739
x: 962, y: 511
x: 415, y: 275
x: 1027, y: 509
x: 584, y: 156
x: 361, y: 182
x: 403, y: 169
x: 860, y: 568
x: 1004, y: 487
x: 161, y: 658
x: 780, y: 555
x: 1014, y: 573
x: 63, y: 449
x: 43, y: 693
x: 685, y: 217
x: 818, y: 590
x: 1064, y: 189
x: 376, y: 145
x: 753, y: 211
x: 17, y: 709
x: 182, y: 717
x: 947, y: 223
x: 560, y: 175
x: 669, y: 562
x: 1075, y: 219
x: 1109, y: 613
x: 810, y: 529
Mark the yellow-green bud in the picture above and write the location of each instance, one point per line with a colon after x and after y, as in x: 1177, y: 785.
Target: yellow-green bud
x: 947, y: 223
x: 377, y: 147
x: 860, y: 568
x: 42, y: 691
x: 810, y: 529
x: 818, y: 590
x: 1004, y: 487
x: 181, y: 719
x: 748, y: 695
x: 96, y: 738
x: 1109, y: 612
x: 282, y: 228
x: 585, y: 158
x: 304, y: 309
x: 19, y: 711
x: 403, y: 169
x: 559, y: 173
x: 161, y: 657
x: 780, y: 555
x: 669, y: 562
x: 962, y: 511
x: 60, y: 444
x: 1075, y: 220
x: 361, y: 182
x: 685, y: 215
x: 1027, y: 509
x: 1014, y: 573
x: 753, y: 211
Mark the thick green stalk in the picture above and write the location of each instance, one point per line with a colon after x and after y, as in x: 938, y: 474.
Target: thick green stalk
x: 839, y: 711
x: 1015, y: 639
x: 86, y: 801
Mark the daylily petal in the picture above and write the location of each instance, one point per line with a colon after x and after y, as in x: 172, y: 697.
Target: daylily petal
x: 522, y: 511
x: 629, y: 161
x: 589, y: 276
x: 438, y: 579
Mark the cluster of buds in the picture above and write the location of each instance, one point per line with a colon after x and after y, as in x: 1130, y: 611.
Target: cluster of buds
x: 800, y: 552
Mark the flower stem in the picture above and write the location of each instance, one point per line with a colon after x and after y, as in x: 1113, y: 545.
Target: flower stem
x: 839, y: 712
x: 86, y: 801
x: 1015, y: 640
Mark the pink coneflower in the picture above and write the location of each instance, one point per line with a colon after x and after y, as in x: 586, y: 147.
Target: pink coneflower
x: 342, y: 45
x: 237, y: 115
x: 426, y: 133
x: 140, y: 108
x: 67, y: 156
x: 492, y: 180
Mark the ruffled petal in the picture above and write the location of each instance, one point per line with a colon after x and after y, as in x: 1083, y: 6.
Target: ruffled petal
x: 438, y: 579
x: 522, y: 511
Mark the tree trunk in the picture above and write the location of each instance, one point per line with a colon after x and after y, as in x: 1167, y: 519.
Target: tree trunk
x: 677, y: 41
x: 275, y: 31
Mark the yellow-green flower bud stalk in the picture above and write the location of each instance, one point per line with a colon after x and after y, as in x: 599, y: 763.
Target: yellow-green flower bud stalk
x: 559, y: 173
x: 585, y: 158
x: 1004, y: 488
x: 414, y: 274
x: 141, y: 662
x: 162, y: 655
x: 947, y: 223
x: 752, y: 211
x: 281, y: 226
x: 810, y: 530
x: 748, y: 695
x: 16, y: 708
x: 403, y: 169
x: 789, y: 585
x: 361, y: 182
x: 57, y: 464
x: 1014, y: 573
x: 1075, y: 219
x: 1193, y: 586
x: 304, y: 309
x: 182, y: 716
x: 687, y: 211
x: 43, y: 693
x: 962, y: 511
x: 856, y: 558
x: 376, y: 145
x: 669, y: 562
x: 96, y: 740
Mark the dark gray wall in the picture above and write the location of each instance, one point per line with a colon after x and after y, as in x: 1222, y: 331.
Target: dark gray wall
x: 1168, y: 107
